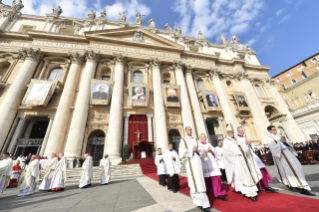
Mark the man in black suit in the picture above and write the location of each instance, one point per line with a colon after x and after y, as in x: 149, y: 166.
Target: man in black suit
x: 172, y: 96
x: 101, y: 94
x: 210, y: 101
x: 241, y: 102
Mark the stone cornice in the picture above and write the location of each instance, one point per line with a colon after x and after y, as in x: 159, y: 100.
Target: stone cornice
x: 199, y: 55
x: 76, y: 57
x: 57, y: 36
x: 17, y: 35
x: 258, y: 67
x: 233, y: 61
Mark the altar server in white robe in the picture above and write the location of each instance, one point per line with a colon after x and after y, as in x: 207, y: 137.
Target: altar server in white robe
x: 219, y: 159
x: 87, y: 171
x: 242, y: 170
x: 288, y: 167
x: 173, y: 166
x: 106, y: 170
x: 49, y: 172
x: 161, y: 168
x: 192, y: 153
x: 5, y: 171
x: 29, y: 177
x: 59, y: 176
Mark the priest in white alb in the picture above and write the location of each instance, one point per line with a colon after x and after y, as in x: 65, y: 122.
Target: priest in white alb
x: 87, y: 171
x: 288, y: 167
x: 29, y: 177
x: 242, y: 170
x: 106, y: 170
x: 219, y: 160
x: 161, y: 168
x: 192, y: 152
x: 59, y: 177
x: 173, y: 165
x: 5, y: 171
x: 48, y: 175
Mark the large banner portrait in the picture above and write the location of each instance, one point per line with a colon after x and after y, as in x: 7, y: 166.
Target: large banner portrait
x: 171, y: 95
x: 39, y: 93
x: 241, y: 101
x: 139, y: 94
x: 100, y: 92
x: 211, y: 101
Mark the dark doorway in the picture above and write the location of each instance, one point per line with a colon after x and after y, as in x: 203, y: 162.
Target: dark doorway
x: 174, y: 138
x: 31, y: 149
x: 95, y: 146
x: 39, y: 129
x: 144, y: 146
x: 213, y: 137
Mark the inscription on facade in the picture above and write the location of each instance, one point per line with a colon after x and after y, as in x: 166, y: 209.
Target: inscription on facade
x: 60, y: 45
x: 191, y: 61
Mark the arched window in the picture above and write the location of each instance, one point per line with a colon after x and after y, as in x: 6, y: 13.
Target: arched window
x: 138, y: 77
x: 55, y: 74
x: 259, y: 91
x: 166, y: 78
x: 200, y: 85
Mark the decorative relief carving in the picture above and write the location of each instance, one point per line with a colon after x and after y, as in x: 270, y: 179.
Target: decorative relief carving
x: 119, y: 59
x: 178, y: 64
x: 30, y: 54
x: 76, y: 57
x: 98, y: 117
x: 155, y: 62
x: 92, y: 56
x: 11, y: 12
x: 138, y: 36
x: 189, y: 69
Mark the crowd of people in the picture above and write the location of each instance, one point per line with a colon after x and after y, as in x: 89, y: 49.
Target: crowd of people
x: 308, y: 146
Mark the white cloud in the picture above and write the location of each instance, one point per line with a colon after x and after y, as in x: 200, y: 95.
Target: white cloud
x: 279, y: 12
x: 257, y: 24
x: 284, y: 18
x: 217, y: 17
x: 262, y: 29
x: 251, y: 42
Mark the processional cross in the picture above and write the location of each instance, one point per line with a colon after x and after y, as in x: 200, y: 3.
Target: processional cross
x: 138, y: 135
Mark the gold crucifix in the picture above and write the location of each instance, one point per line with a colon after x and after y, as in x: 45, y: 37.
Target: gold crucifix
x: 138, y: 135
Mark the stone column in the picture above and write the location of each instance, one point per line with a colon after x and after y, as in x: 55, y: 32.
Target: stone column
x: 126, y: 118
x: 223, y: 99
x: 17, y: 134
x: 159, y: 110
x: 28, y: 129
x: 286, y: 129
x: 73, y: 147
x: 62, y: 116
x: 46, y: 137
x: 114, y: 135
x: 260, y: 120
x: 44, y: 68
x: 150, y: 127
x: 187, y: 114
x: 199, y: 120
x: 10, y: 135
x: 16, y: 92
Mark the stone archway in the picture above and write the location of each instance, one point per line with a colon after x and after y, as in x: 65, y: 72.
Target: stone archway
x: 174, y: 137
x: 95, y: 146
x: 271, y: 112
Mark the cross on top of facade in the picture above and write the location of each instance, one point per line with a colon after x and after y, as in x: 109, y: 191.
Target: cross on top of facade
x: 138, y: 133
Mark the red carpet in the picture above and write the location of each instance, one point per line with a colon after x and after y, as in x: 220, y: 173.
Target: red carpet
x: 147, y: 165
x: 272, y: 202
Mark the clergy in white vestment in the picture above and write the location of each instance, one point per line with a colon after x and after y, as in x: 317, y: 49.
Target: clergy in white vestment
x: 265, y: 175
x: 106, y: 170
x: 49, y: 172
x: 29, y: 177
x: 242, y: 170
x: 192, y: 153
x: 87, y: 171
x: 211, y: 171
x: 161, y: 168
x: 59, y: 176
x: 288, y: 167
x: 5, y: 171
x: 218, y: 151
x: 173, y: 165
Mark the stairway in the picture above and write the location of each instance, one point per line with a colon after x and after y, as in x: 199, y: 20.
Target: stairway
x: 148, y: 165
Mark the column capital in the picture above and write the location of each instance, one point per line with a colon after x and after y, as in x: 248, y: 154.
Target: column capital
x: 126, y: 115
x: 149, y: 115
x: 189, y: 69
x: 92, y: 56
x: 11, y: 12
x: 30, y: 54
x: 155, y: 62
x: 76, y: 57
x: 214, y: 72
x: 119, y: 59
x: 281, y: 120
x: 51, y: 117
x: 178, y: 64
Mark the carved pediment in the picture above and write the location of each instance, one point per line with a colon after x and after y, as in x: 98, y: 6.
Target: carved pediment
x: 134, y: 35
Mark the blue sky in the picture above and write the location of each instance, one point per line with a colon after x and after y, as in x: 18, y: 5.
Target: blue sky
x: 282, y: 32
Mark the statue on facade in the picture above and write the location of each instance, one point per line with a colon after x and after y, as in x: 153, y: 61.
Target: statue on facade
x: 178, y: 30
x: 234, y: 40
x: 200, y: 35
x: 139, y: 19
x: 122, y: 16
x: 138, y: 36
x: 314, y: 96
x: 306, y: 99
x: 224, y: 39
x: 168, y: 27
x: 58, y: 11
x: 17, y: 6
x: 152, y: 23
x: 92, y: 14
x: 103, y: 14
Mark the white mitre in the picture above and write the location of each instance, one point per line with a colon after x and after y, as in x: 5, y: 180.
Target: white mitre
x: 229, y: 127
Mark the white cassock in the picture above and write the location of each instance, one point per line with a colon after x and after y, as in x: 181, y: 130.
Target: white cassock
x: 218, y: 151
x: 288, y: 167
x: 22, y: 162
x: 59, y: 176
x: 5, y: 173
x: 106, y: 171
x: 28, y: 180
x: 210, y: 167
x: 242, y: 170
x: 172, y: 166
x: 48, y: 175
x: 161, y: 168
x: 257, y: 159
x: 194, y: 167
x: 87, y: 172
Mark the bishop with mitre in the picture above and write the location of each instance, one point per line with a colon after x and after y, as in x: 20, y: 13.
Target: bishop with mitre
x: 87, y: 171
x: 29, y: 177
x: 5, y: 171
x: 48, y: 175
x: 106, y: 170
x: 173, y: 165
x: 59, y: 176
x: 289, y: 168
